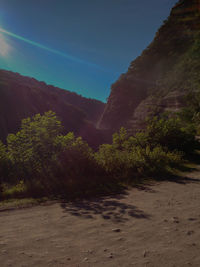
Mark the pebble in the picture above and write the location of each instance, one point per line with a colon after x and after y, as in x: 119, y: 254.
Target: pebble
x: 175, y: 220
x: 190, y: 232
x: 191, y: 219
x: 145, y: 253
x: 88, y: 251
x: 86, y: 259
x: 117, y: 230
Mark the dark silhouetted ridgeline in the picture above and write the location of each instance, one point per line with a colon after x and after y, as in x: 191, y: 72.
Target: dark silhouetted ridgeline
x: 21, y: 97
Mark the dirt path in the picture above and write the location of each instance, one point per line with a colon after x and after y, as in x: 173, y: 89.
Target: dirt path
x: 156, y: 226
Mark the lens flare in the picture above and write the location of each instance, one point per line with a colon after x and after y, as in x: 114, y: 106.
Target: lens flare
x: 67, y: 56
x: 4, y: 46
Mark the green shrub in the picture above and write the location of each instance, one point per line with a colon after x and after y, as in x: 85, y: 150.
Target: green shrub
x: 171, y: 133
x: 112, y: 160
x: 157, y: 161
x: 3, y: 160
x: 43, y: 162
x: 16, y: 191
x: 32, y: 148
x: 5, y: 166
x: 132, y: 157
x: 75, y: 168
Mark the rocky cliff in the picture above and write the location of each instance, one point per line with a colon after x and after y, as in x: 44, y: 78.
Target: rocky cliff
x: 165, y: 72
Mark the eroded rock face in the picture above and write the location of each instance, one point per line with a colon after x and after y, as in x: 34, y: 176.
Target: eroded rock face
x: 172, y: 102
x: 168, y: 69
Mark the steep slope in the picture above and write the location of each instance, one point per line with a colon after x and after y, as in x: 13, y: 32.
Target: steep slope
x: 158, y: 79
x: 21, y: 97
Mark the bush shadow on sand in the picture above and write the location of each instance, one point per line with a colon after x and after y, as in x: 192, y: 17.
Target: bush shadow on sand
x: 108, y: 208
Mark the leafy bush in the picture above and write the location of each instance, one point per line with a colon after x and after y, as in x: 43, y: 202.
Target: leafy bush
x: 17, y: 191
x: 41, y: 161
x: 157, y: 161
x: 74, y: 169
x: 126, y: 158
x: 48, y: 162
x: 3, y: 160
x: 191, y: 112
x: 170, y: 133
x: 4, y: 166
x: 32, y: 148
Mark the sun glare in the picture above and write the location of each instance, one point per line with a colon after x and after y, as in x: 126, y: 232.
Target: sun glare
x: 4, y: 46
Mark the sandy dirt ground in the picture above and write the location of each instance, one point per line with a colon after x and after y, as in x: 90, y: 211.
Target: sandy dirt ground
x: 152, y: 226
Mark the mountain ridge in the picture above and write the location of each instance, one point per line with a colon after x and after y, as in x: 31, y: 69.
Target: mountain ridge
x: 22, y: 97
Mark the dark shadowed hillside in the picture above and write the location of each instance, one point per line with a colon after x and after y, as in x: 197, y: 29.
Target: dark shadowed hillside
x: 21, y: 97
x: 165, y: 72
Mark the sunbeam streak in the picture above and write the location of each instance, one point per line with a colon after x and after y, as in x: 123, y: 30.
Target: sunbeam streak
x: 4, y: 46
x: 67, y: 56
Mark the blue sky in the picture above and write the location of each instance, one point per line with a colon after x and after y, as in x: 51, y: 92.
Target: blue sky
x: 79, y: 45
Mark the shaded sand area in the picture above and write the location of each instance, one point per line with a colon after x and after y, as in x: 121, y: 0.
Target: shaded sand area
x: 154, y: 226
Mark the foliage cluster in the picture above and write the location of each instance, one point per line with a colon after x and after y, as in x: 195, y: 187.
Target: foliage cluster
x: 40, y: 161
x: 191, y: 112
